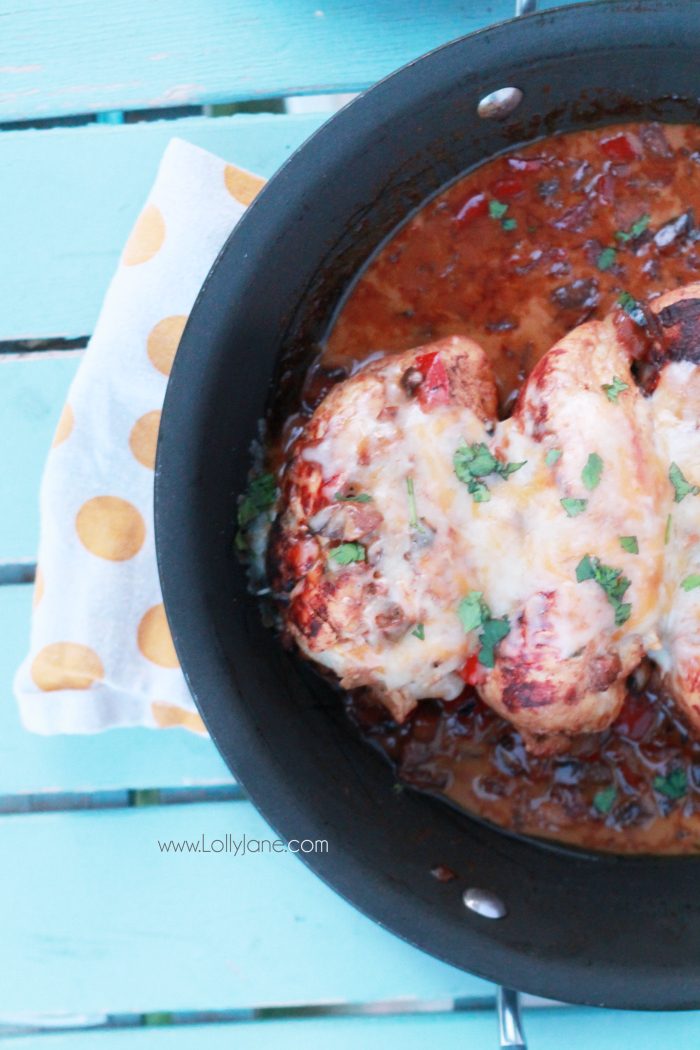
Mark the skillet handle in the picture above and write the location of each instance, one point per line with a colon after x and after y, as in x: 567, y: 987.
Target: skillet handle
x: 510, y: 1027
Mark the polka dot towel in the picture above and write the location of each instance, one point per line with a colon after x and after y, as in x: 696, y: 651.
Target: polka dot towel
x: 101, y: 653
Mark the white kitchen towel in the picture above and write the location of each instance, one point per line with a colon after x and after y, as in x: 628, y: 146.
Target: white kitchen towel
x: 101, y: 654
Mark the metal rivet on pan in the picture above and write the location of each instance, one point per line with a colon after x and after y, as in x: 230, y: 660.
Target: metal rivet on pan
x: 484, y: 903
x: 499, y: 104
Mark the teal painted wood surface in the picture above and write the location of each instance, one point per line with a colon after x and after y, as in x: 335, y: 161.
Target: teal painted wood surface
x: 32, y: 392
x: 81, y: 57
x: 546, y: 1029
x: 119, y: 759
x: 95, y: 917
x: 70, y: 196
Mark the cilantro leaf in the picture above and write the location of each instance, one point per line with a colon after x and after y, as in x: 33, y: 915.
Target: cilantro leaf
x: 473, y: 611
x: 611, y: 581
x: 574, y: 507
x: 509, y: 224
x: 629, y: 544
x: 682, y: 488
x: 631, y: 307
x: 259, y: 496
x: 347, y: 553
x: 635, y: 230
x: 674, y: 786
x: 606, y: 259
x: 497, y: 209
x: 361, y: 497
x: 493, y: 632
x: 614, y: 389
x: 604, y: 799
x: 591, y: 473
x: 552, y: 456
x: 691, y: 582
x: 419, y: 631
x: 472, y: 462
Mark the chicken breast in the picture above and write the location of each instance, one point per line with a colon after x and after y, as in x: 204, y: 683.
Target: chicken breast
x: 589, y: 543
x: 371, y: 549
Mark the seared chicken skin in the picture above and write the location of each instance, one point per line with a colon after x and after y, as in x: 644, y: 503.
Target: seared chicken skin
x: 420, y: 544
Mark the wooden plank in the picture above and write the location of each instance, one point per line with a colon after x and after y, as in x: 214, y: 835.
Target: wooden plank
x: 79, y: 57
x: 575, y: 1029
x: 84, y: 895
x: 70, y: 196
x: 32, y: 392
x: 119, y: 759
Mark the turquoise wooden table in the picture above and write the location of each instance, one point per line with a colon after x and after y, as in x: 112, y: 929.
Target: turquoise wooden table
x: 104, y: 940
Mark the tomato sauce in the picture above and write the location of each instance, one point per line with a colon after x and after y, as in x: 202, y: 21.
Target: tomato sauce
x: 515, y: 254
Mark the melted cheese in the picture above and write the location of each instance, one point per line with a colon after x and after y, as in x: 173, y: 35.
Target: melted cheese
x: 520, y: 549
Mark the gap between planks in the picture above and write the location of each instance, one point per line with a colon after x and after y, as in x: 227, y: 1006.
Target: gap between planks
x: 50, y: 801
x: 41, y: 1025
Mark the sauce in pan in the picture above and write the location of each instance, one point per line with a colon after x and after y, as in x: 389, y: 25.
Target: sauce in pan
x: 515, y: 254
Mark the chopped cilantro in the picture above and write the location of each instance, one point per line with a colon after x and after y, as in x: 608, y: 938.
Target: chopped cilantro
x: 361, y: 497
x: 604, y: 799
x: 606, y: 259
x: 419, y: 631
x: 509, y: 224
x: 674, y: 786
x: 347, y: 553
x: 631, y: 307
x: 591, y: 473
x: 691, y: 582
x: 635, y: 229
x: 259, y: 496
x: 473, y: 613
x: 497, y: 209
x: 667, y: 530
x: 472, y: 462
x: 552, y: 456
x: 629, y: 544
x: 412, y: 509
x: 682, y: 488
x: 574, y: 507
x: 611, y: 580
x: 614, y: 389
x: 493, y: 632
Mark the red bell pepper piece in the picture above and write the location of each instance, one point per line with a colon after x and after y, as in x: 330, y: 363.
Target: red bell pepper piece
x: 435, y: 388
x: 619, y: 148
x: 473, y: 208
x: 508, y: 186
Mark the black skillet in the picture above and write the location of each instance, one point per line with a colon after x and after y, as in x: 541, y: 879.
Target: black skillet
x: 579, y: 927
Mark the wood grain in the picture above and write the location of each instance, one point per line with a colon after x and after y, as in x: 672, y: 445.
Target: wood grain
x: 81, y: 57
x: 94, y: 916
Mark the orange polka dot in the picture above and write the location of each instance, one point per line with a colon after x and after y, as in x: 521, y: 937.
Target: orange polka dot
x: 111, y: 528
x: 144, y: 438
x: 168, y: 715
x: 241, y: 184
x: 65, y: 426
x: 154, y: 639
x: 146, y: 238
x: 66, y: 665
x: 163, y: 341
x: 38, y: 587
